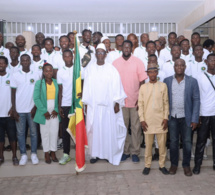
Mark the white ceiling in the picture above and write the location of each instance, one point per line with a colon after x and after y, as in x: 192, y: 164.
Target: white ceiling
x: 59, y: 11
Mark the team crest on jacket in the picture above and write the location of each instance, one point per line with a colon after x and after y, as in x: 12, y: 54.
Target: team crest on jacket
x: 32, y: 80
x: 203, y: 68
x: 158, y: 78
x: 7, y: 82
x: 1, y: 53
x: 40, y: 67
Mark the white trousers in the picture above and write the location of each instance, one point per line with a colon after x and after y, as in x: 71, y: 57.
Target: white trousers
x: 49, y: 131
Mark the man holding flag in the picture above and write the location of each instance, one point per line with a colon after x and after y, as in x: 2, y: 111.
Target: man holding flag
x: 104, y: 97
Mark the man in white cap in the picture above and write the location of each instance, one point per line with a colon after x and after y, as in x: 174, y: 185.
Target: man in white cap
x: 107, y: 43
x: 104, y: 97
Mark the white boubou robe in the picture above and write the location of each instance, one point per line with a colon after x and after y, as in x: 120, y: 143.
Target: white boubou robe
x: 106, y: 131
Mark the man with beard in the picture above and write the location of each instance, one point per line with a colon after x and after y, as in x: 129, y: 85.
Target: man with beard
x: 132, y: 73
x: 97, y: 38
x: 104, y: 97
x: 113, y: 55
x: 20, y: 42
x: 39, y: 38
x: 87, y: 51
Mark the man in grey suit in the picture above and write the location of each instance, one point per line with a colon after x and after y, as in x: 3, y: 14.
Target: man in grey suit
x: 184, y: 104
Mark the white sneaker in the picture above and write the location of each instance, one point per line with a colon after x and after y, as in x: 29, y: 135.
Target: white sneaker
x: 23, y: 160
x: 34, y: 159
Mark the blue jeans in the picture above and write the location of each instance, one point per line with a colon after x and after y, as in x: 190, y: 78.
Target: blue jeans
x: 178, y: 126
x: 20, y: 125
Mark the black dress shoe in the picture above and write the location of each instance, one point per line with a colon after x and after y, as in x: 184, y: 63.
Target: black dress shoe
x: 146, y: 171
x: 214, y: 167
x: 93, y: 160
x: 196, y: 170
x: 164, y: 171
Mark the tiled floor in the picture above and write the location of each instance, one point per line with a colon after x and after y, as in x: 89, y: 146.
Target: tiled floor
x: 120, y: 182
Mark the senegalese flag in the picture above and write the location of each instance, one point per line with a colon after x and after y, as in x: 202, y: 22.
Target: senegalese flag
x: 76, y: 127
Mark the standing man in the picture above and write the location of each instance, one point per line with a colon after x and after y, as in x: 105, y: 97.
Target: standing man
x: 132, y: 73
x: 72, y: 40
x: 97, y: 38
x: 196, y: 40
x: 197, y: 65
x: 206, y: 83
x: 39, y: 38
x: 20, y: 42
x: 65, y: 83
x: 14, y: 66
x: 168, y: 67
x: 107, y: 43
x: 23, y: 109
x: 153, y: 113
x: 184, y: 103
x: 3, y: 51
x: 37, y: 62
x: 113, y: 55
x: 165, y: 53
x: 48, y: 52
x: 163, y: 42
x: 7, y: 124
x: 58, y: 61
x: 185, y: 51
x: 104, y: 97
x: 141, y: 52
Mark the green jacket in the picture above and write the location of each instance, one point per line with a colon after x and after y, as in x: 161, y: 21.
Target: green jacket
x: 40, y: 100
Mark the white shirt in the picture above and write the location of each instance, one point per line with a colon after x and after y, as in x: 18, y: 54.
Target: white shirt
x: 37, y: 67
x: 141, y: 53
x: 207, y: 95
x: 196, y: 68
x: 24, y: 84
x: 13, y: 69
x: 5, y: 97
x: 48, y: 57
x: 25, y: 52
x: 186, y: 58
x: 165, y: 54
x: 205, y: 55
x: 58, y: 61
x: 5, y: 52
x: 168, y: 69
x: 65, y: 78
x: 113, y: 55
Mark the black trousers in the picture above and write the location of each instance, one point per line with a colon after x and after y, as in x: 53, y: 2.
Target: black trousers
x: 66, y: 136
x: 208, y: 124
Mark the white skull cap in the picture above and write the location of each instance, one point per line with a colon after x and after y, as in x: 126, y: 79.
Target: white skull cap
x: 101, y: 46
x: 104, y: 38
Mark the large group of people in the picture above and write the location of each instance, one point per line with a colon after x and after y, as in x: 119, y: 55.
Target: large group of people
x: 156, y: 93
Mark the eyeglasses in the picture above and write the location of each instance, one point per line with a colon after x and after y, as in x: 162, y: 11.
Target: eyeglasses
x: 101, y: 53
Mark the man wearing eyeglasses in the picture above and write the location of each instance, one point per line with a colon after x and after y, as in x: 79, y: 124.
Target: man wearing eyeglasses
x: 103, y: 96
